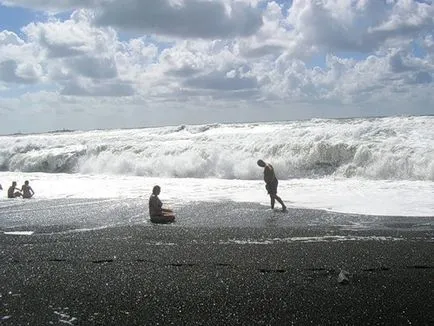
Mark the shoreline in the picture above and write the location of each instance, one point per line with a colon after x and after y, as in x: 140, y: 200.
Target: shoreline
x: 75, y: 215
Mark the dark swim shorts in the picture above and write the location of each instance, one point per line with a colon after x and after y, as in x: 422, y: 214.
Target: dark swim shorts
x: 272, y: 187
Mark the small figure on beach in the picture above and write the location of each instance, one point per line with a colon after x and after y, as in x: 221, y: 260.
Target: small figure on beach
x: 271, y: 183
x: 157, y: 213
x: 27, y: 190
x: 1, y: 188
x: 13, y: 191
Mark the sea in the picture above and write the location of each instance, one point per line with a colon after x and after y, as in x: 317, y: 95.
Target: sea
x: 356, y: 168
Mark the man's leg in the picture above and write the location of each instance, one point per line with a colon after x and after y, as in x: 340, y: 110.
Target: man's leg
x: 281, y: 202
x: 272, y: 201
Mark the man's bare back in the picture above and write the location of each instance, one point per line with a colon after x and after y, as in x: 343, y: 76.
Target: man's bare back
x: 269, y: 175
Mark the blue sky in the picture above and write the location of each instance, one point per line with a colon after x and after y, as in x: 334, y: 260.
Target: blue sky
x: 12, y: 18
x: 78, y: 65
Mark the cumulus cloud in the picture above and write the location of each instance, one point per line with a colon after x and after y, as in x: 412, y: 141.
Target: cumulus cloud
x: 93, y: 67
x: 195, y: 18
x: 86, y: 88
x: 406, y: 19
x: 10, y: 38
x: 222, y: 81
x: 360, y: 25
x: 18, y: 63
x: 59, y: 48
x: 12, y: 72
x: 78, y: 57
x: 49, y: 5
x: 71, y: 37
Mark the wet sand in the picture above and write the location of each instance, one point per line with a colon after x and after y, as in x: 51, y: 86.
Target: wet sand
x: 178, y: 274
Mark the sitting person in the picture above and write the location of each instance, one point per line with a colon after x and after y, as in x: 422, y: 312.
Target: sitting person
x: 157, y: 213
x: 11, y: 191
x: 27, y: 190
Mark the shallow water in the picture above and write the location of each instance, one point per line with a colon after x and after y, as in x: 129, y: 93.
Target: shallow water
x: 353, y: 196
x: 79, y: 215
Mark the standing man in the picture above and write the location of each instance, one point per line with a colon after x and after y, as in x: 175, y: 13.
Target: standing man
x: 271, y: 183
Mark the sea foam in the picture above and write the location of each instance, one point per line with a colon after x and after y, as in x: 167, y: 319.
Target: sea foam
x: 394, y: 148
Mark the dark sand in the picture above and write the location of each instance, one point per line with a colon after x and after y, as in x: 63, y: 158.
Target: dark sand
x: 221, y: 275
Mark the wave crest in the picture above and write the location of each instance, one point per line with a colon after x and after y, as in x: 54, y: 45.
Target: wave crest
x: 399, y: 148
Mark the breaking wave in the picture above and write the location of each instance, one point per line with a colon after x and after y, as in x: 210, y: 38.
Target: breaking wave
x: 396, y: 148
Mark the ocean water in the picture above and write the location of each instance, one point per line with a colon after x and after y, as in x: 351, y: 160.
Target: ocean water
x: 369, y: 166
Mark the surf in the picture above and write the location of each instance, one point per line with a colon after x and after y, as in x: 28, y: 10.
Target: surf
x: 392, y: 148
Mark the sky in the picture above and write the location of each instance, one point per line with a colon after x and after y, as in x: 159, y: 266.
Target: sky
x: 97, y: 64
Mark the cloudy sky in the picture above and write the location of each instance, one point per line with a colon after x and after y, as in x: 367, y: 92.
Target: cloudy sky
x: 86, y: 64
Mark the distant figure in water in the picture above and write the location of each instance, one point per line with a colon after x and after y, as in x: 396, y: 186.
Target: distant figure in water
x: 11, y: 191
x: 157, y: 213
x: 271, y: 183
x: 27, y: 190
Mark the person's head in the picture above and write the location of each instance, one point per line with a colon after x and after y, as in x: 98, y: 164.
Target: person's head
x: 26, y: 182
x: 261, y: 163
x: 156, y: 190
x: 14, y: 183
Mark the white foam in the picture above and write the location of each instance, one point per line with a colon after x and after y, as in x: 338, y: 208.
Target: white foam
x: 310, y: 239
x: 359, y: 196
x: 18, y: 232
x: 395, y: 148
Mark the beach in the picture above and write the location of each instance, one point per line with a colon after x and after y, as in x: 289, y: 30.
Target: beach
x: 278, y: 270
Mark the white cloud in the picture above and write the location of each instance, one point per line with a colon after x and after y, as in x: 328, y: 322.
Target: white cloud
x: 78, y: 57
x: 194, y: 18
x: 10, y: 39
x: 12, y: 72
x: 89, y: 88
x: 18, y: 64
x: 428, y: 44
x: 49, y: 5
x: 359, y: 25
